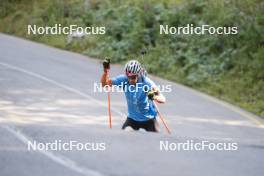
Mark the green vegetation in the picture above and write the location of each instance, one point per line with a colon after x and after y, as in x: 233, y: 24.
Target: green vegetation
x: 230, y: 67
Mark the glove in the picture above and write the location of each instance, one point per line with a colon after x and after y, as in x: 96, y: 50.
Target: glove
x: 106, y: 64
x: 151, y: 95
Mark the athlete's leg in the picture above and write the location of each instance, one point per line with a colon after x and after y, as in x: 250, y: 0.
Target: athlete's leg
x: 130, y: 122
x: 151, y: 125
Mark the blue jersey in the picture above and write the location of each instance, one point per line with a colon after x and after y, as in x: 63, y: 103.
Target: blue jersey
x: 140, y: 108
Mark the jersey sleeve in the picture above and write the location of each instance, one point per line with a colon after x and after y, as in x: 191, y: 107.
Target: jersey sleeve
x: 118, y: 80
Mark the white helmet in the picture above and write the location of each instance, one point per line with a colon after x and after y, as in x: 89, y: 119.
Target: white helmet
x: 133, y: 67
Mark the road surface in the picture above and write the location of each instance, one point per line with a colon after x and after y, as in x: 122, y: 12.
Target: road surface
x: 47, y: 95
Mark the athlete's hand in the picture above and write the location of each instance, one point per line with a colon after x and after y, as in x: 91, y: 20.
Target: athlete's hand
x: 151, y: 95
x: 106, y: 64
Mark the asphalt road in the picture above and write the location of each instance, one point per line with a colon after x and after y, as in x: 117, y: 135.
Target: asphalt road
x: 47, y: 95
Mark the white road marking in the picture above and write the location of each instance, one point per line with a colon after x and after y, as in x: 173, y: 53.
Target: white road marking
x: 57, y: 158
x: 227, y: 105
x: 61, y: 86
x: 62, y: 160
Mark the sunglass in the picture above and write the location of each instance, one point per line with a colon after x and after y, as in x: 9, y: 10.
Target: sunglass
x: 132, y: 77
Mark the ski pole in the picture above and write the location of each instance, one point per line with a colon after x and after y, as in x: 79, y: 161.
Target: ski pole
x: 161, y: 118
x: 109, y: 109
x: 106, y: 64
x: 144, y: 52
